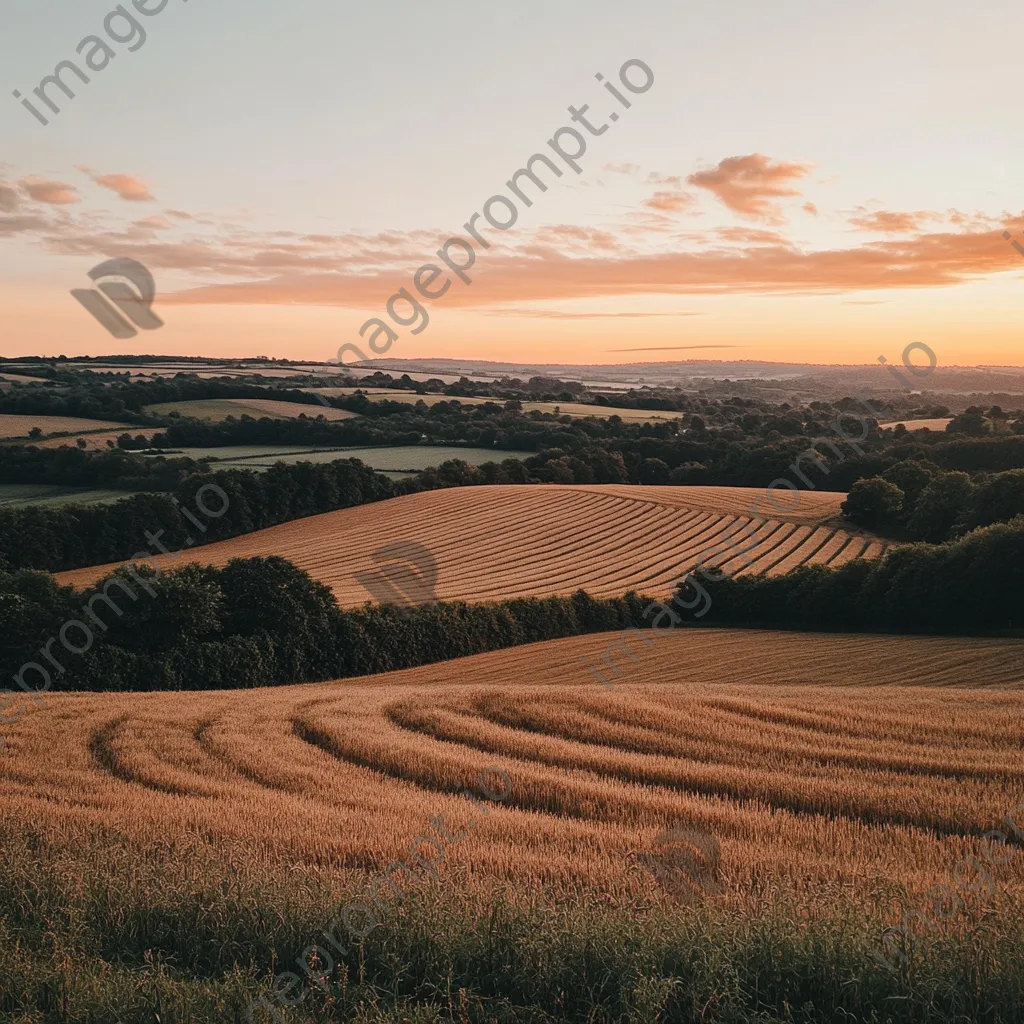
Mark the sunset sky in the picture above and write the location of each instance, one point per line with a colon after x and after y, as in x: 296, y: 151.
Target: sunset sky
x: 805, y: 180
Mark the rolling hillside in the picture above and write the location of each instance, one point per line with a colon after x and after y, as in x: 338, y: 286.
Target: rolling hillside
x: 890, y: 774
x: 506, y: 541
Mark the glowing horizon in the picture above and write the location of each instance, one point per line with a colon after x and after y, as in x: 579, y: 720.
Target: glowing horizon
x: 784, y: 215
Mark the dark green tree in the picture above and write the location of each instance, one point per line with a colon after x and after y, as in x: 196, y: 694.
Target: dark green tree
x: 654, y: 471
x: 942, y: 506
x: 911, y: 478
x: 997, y: 499
x: 874, y: 503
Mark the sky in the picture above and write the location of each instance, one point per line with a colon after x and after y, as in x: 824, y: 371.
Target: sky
x: 797, y: 181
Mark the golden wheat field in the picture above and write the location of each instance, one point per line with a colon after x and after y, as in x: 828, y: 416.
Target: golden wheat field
x: 934, y: 424
x: 885, y: 775
x: 543, y: 540
x: 577, y: 410
x: 219, y: 409
x: 16, y: 425
x: 21, y: 378
x: 97, y: 441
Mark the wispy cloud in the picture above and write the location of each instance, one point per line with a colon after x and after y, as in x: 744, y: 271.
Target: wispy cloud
x: 22, y: 224
x: 126, y: 186
x: 673, y: 348
x: 931, y: 260
x: 748, y: 185
x: 629, y: 170
x: 641, y: 253
x: 892, y: 221
x: 44, y: 190
x: 673, y: 201
x: 656, y: 178
x: 753, y: 236
x: 559, y: 314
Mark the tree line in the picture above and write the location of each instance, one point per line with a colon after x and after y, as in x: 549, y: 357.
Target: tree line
x: 72, y: 536
x: 968, y: 586
x: 910, y: 498
x: 76, y: 394
x: 749, y: 449
x: 255, y: 622
x: 919, y: 501
x: 733, y: 441
x: 263, y: 622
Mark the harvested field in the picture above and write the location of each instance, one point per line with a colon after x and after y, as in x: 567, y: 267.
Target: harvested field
x: 94, y: 442
x: 53, y: 495
x: 811, y: 509
x: 12, y: 425
x: 581, y: 410
x: 511, y: 822
x: 21, y: 378
x: 405, y: 459
x: 817, y: 761
x: 492, y: 543
x: 577, y: 410
x: 937, y: 425
x: 241, y: 453
x: 219, y: 409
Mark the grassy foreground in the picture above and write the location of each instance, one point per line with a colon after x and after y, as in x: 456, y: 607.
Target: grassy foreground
x: 96, y: 930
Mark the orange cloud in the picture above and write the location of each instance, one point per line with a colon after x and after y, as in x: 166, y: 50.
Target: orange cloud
x: 933, y: 260
x: 56, y: 193
x: 644, y: 254
x: 748, y: 184
x: 892, y: 221
x: 126, y: 186
x: 755, y: 236
x: 578, y: 237
x: 670, y: 202
x: 654, y: 178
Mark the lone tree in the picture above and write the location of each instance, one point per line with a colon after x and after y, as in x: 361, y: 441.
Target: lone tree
x: 874, y: 503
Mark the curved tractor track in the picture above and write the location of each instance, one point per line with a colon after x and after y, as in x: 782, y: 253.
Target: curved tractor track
x: 493, y: 543
x: 893, y: 773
